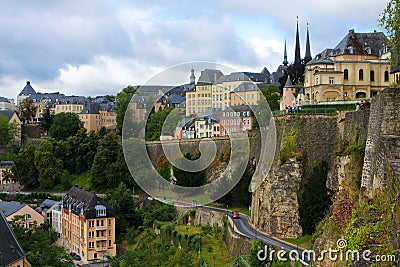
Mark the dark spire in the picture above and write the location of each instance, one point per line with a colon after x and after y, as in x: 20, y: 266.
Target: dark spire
x: 308, y: 50
x: 297, y: 59
x: 192, y: 77
x: 285, y: 62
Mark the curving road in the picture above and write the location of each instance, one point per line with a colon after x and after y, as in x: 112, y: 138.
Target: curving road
x: 242, y: 226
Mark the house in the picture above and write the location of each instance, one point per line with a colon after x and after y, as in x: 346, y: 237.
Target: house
x: 236, y: 119
x: 185, y: 129
x: 98, y: 113
x: 56, y: 218
x: 29, y: 215
x: 292, y: 95
x: 357, y: 68
x: 6, y: 104
x: 45, y: 208
x: 6, y: 180
x: 88, y: 225
x: 13, y: 118
x: 207, y: 125
x: 12, y: 254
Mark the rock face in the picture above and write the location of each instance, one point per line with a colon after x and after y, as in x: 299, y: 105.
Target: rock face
x: 275, y: 205
x: 383, y: 142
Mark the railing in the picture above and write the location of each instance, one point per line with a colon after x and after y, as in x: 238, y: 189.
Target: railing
x: 101, y: 227
x: 101, y: 248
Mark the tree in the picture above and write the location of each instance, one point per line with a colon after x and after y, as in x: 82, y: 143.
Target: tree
x: 122, y: 102
x: 390, y: 20
x: 49, y: 168
x: 24, y: 169
x: 155, y: 124
x: 39, y: 243
x: 47, y: 120
x: 5, y: 131
x: 272, y: 95
x: 27, y: 110
x: 109, y: 166
x: 65, y: 124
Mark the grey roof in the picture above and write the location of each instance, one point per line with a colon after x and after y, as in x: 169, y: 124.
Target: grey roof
x: 176, y: 99
x: 47, y: 204
x: 8, y: 113
x: 71, y: 100
x: 209, y: 76
x: 6, y: 163
x: 185, y: 122
x: 10, y: 249
x: 245, y: 87
x: 80, y: 201
x: 28, y: 90
x: 90, y: 108
x: 212, y: 113
x: 320, y: 60
x: 3, y: 99
x: 359, y: 42
x: 149, y: 90
x: 10, y: 207
x: 240, y: 108
x: 52, y: 97
x: 234, y: 76
x: 288, y: 82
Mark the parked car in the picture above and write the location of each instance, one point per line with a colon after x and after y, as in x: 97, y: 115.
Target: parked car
x: 235, y: 215
x: 77, y: 257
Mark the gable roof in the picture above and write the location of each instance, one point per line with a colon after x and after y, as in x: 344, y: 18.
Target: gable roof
x: 10, y: 249
x: 8, y: 113
x: 209, y: 76
x: 3, y: 99
x: 10, y: 207
x: 27, y: 90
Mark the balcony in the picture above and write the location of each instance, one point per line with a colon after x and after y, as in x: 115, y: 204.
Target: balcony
x: 101, y: 228
x: 101, y: 238
x: 98, y: 249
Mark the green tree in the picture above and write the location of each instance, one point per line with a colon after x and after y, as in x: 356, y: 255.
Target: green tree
x: 390, y: 20
x: 27, y: 110
x: 24, y: 168
x: 315, y: 198
x: 65, y: 124
x: 122, y: 102
x: 155, y: 124
x: 5, y: 131
x: 47, y: 120
x: 109, y: 167
x: 273, y: 95
x: 39, y: 243
x: 50, y: 168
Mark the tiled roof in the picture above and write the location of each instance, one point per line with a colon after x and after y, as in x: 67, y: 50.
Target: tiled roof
x: 28, y: 90
x: 79, y: 201
x: 209, y: 76
x: 10, y: 249
x: 7, y: 113
x: 3, y: 99
x: 10, y: 207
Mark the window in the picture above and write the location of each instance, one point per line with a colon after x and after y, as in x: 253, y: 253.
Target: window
x: 27, y: 217
x: 109, y: 243
x: 316, y: 81
x: 91, y: 224
x: 109, y: 222
x: 100, y: 210
x: 109, y: 232
x: 361, y: 74
x: 346, y: 74
x: 372, y: 75
x: 91, y: 245
x: 386, y: 76
x: 331, y: 80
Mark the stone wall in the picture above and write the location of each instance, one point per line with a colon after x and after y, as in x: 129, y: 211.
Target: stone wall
x: 237, y: 244
x: 383, y: 141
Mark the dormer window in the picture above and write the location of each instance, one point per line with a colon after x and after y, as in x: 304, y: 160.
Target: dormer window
x: 101, y: 210
x: 368, y: 50
x: 351, y: 50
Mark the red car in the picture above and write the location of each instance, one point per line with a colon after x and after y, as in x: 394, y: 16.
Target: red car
x: 235, y: 215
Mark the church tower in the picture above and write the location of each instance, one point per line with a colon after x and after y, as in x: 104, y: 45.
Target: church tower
x: 192, y: 77
x: 307, y: 57
x: 297, y: 58
x: 285, y: 62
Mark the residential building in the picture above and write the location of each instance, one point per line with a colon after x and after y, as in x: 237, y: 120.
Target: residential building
x: 45, y: 208
x: 56, y: 218
x: 6, y: 104
x: 12, y: 117
x: 206, y: 124
x: 246, y: 93
x: 26, y: 92
x: 88, y: 225
x: 98, y: 113
x: 236, y: 119
x: 185, y: 129
x: 29, y: 215
x: 357, y: 68
x: 292, y: 95
x: 12, y: 254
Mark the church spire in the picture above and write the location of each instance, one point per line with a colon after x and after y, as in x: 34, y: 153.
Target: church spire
x: 285, y: 62
x: 308, y: 50
x: 297, y: 59
x: 192, y: 77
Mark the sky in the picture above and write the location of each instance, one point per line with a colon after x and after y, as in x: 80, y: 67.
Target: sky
x: 98, y: 47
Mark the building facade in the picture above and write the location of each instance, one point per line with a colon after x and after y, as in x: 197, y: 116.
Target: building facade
x: 357, y: 68
x: 236, y: 119
x: 88, y: 225
x: 29, y: 216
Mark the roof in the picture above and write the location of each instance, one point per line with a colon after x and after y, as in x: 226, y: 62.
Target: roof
x: 6, y: 163
x: 288, y: 82
x: 209, y: 76
x: 245, y: 87
x: 8, y: 113
x: 90, y: 108
x: 10, y: 207
x: 10, y: 249
x: 176, y: 99
x: 79, y: 201
x: 358, y: 44
x: 3, y: 99
x: 47, y: 204
x: 28, y: 90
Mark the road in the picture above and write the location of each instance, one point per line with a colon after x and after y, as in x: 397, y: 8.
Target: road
x: 243, y: 226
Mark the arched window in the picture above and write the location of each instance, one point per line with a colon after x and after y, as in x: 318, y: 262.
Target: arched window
x: 372, y: 76
x: 386, y: 76
x: 346, y: 74
x: 361, y: 74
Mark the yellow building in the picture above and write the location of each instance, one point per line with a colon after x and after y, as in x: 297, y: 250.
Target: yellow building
x: 198, y: 101
x: 95, y: 115
x: 68, y: 107
x: 357, y: 68
x: 29, y: 215
x: 245, y: 93
x: 88, y: 225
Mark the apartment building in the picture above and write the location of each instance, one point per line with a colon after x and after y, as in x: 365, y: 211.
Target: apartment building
x: 88, y: 225
x: 236, y: 119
